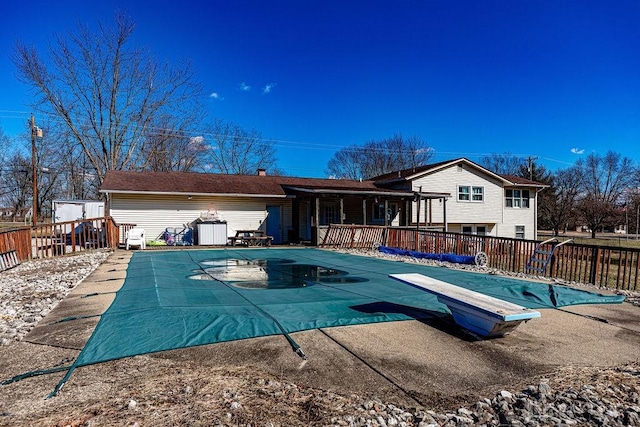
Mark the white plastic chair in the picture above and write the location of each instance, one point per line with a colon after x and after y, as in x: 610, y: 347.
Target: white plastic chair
x: 135, y: 237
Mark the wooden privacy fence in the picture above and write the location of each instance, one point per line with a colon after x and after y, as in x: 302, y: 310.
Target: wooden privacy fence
x: 608, y: 266
x: 57, y: 239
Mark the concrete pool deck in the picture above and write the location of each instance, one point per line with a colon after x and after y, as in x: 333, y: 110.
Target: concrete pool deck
x: 410, y: 362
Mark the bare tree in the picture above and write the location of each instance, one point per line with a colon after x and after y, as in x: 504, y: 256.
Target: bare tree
x: 505, y: 164
x: 16, y: 184
x: 558, y: 203
x: 163, y: 149
x: 4, y: 146
x: 604, y: 180
x: 79, y: 176
x: 347, y: 163
x: 633, y: 209
x: 232, y: 149
x: 378, y: 157
x: 106, y: 93
x: 16, y: 173
x: 4, y: 169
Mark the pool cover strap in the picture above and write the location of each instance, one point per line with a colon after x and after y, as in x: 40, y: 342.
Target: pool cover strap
x: 294, y: 345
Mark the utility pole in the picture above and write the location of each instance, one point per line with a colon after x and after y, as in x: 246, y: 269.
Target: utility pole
x: 530, y: 159
x: 35, y: 132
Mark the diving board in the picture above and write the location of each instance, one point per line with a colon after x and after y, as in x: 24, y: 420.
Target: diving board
x: 479, y: 313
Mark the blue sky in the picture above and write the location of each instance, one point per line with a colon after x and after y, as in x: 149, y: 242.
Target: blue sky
x: 552, y: 79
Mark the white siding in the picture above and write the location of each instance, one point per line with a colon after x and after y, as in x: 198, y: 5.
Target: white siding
x: 520, y: 216
x: 489, y: 211
x: 155, y: 213
x: 500, y: 221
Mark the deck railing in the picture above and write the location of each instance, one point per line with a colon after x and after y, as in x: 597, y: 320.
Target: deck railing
x: 60, y: 238
x: 608, y: 266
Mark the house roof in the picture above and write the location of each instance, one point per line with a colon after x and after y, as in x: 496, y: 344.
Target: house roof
x: 412, y: 173
x: 192, y: 183
x: 188, y: 183
x: 516, y: 180
x: 404, y: 174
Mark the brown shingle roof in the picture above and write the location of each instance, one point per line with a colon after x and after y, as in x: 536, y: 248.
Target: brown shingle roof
x: 205, y: 183
x: 522, y: 181
x: 408, y: 172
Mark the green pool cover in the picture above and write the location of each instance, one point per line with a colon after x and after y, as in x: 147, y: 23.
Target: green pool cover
x: 184, y: 298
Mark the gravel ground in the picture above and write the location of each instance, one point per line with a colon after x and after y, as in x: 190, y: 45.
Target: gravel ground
x: 144, y: 390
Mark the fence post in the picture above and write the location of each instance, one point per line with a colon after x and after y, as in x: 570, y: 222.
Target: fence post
x: 595, y: 259
x: 353, y: 237
x: 552, y: 263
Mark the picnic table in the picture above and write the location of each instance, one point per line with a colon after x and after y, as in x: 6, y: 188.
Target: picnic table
x: 250, y: 238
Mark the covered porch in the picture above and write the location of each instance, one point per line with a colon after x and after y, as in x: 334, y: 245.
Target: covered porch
x: 314, y: 209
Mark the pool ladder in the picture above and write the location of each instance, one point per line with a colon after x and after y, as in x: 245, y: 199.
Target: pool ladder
x: 541, y: 258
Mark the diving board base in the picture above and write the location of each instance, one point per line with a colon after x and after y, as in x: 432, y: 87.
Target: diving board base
x: 481, y: 314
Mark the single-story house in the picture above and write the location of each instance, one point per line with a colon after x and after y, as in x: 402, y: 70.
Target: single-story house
x: 456, y: 196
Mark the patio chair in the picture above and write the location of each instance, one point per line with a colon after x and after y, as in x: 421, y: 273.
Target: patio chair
x: 135, y: 237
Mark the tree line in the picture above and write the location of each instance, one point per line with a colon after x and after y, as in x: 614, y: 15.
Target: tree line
x: 597, y: 193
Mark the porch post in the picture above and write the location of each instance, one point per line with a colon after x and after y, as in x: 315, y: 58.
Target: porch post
x: 418, y: 209
x: 364, y: 211
x: 295, y: 220
x: 444, y: 214
x: 386, y: 210
x: 315, y: 225
x: 341, y: 210
x: 407, y: 213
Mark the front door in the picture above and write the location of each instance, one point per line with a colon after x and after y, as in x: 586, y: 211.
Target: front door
x: 274, y: 224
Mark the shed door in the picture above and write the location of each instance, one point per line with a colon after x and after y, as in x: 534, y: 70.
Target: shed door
x: 274, y: 223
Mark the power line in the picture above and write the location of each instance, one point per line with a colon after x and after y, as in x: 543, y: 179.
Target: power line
x: 282, y: 143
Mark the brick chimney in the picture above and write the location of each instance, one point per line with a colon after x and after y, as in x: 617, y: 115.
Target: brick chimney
x: 262, y: 172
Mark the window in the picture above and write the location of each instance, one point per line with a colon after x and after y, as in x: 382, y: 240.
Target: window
x: 480, y: 230
x: 377, y: 212
x: 516, y: 198
x: 463, y: 193
x: 519, y: 231
x: 478, y: 194
x: 329, y: 214
x: 470, y: 193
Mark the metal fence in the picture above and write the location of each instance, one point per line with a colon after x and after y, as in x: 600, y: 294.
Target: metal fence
x: 608, y: 266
